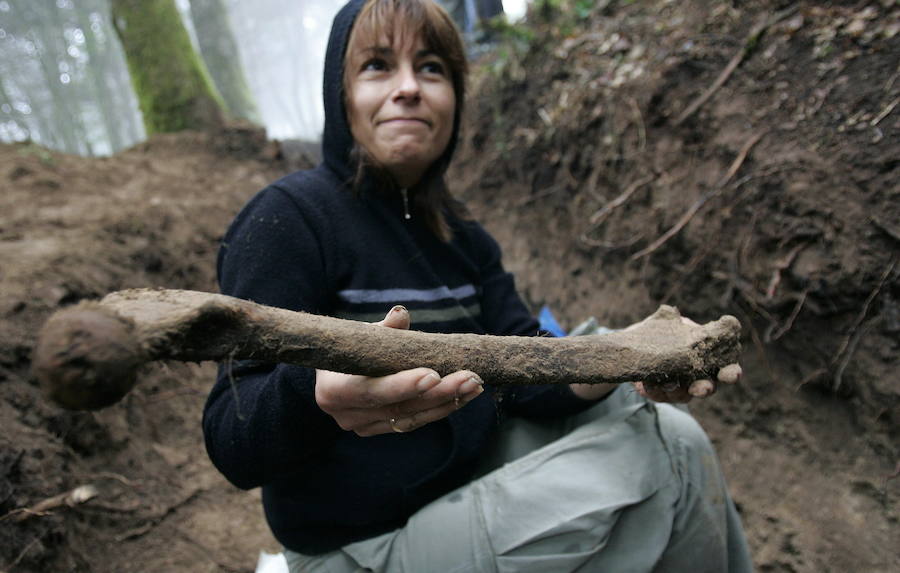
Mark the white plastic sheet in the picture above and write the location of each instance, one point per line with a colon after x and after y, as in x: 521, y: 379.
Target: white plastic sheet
x: 271, y: 563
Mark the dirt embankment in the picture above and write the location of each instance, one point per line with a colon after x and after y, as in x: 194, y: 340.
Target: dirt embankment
x: 724, y: 159
x: 775, y: 201
x: 74, y: 228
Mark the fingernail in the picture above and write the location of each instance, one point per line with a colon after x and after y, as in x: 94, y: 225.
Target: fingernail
x: 730, y: 374
x: 428, y: 382
x: 702, y: 388
x: 470, y: 385
x: 471, y: 396
x: 399, y: 308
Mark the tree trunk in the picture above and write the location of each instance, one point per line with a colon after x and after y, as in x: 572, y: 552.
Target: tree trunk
x: 171, y: 83
x: 69, y: 94
x: 220, y: 53
x: 50, y: 100
x: 110, y: 116
x: 119, y: 84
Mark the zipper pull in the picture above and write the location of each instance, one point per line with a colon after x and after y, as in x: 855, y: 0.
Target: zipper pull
x: 406, y: 214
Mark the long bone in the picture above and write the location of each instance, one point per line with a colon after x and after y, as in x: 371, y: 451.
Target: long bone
x: 88, y: 356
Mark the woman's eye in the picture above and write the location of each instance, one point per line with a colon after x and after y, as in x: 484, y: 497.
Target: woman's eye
x: 374, y: 65
x: 433, y: 68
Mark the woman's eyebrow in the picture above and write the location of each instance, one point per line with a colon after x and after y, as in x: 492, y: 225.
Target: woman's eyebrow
x: 373, y: 52
x: 387, y: 51
x: 378, y: 50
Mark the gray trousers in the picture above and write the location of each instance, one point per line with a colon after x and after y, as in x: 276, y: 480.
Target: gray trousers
x: 627, y: 486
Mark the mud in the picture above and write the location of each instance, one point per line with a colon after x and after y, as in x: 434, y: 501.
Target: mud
x: 777, y: 202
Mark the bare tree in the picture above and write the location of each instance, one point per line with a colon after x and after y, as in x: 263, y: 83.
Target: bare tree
x: 173, y: 87
x: 220, y: 53
x: 64, y: 82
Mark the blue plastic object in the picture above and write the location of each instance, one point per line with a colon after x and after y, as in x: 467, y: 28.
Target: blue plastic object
x: 548, y: 322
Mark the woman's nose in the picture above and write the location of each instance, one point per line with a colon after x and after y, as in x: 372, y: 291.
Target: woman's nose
x: 407, y: 87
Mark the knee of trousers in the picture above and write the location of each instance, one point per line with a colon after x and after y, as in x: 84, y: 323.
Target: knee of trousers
x: 677, y: 424
x: 693, y: 454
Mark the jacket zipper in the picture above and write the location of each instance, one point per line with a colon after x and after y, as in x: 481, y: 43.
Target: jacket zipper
x: 406, y: 214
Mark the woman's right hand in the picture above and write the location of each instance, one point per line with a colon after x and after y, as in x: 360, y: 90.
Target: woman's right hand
x: 400, y: 402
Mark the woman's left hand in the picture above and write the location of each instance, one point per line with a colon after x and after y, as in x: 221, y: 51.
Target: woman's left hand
x: 683, y: 393
x: 673, y: 393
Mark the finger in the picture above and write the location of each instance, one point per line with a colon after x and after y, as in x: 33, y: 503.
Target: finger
x: 452, y: 385
x: 458, y: 387
x: 399, y: 387
x: 354, y: 405
x: 397, y: 317
x: 362, y: 392
x: 414, y: 421
x: 730, y: 374
x: 702, y: 388
x: 419, y: 419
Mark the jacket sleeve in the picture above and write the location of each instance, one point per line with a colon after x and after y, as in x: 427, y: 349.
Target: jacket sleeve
x: 261, y: 420
x: 505, y: 314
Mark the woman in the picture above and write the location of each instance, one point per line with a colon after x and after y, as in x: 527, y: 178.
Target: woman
x: 379, y: 473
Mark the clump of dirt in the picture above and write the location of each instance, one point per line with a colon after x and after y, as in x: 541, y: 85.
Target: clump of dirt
x: 775, y: 201
x: 73, y: 228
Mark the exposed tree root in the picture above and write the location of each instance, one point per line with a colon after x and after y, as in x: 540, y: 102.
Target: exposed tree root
x: 70, y: 498
x: 749, y: 45
x: 698, y: 204
x: 848, y: 344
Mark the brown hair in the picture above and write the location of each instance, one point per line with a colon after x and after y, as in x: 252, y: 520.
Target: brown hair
x: 383, y: 19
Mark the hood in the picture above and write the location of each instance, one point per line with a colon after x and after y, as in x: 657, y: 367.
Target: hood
x: 337, y: 141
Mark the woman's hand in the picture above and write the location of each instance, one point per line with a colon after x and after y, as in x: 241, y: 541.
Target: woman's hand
x: 674, y: 393
x: 680, y: 393
x: 399, y: 402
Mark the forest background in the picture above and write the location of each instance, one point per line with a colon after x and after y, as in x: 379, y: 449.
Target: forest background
x: 66, y: 82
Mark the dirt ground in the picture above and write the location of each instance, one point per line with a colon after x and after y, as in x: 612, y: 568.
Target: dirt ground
x: 75, y: 228
x: 776, y: 201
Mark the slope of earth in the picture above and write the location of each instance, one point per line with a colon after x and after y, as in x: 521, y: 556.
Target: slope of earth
x: 73, y: 228
x: 727, y: 158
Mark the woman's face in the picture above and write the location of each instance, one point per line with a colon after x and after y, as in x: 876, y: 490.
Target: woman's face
x: 400, y: 104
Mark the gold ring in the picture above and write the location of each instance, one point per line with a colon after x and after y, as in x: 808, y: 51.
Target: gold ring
x: 394, y: 426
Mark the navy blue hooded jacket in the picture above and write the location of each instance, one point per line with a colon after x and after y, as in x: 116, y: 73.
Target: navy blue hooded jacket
x: 308, y: 243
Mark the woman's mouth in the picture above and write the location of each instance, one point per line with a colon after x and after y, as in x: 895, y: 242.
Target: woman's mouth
x: 405, y: 120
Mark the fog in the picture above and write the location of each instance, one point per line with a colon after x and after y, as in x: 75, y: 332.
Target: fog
x: 64, y: 82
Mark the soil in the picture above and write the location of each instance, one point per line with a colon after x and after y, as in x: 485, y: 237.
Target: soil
x: 777, y: 200
x: 75, y: 228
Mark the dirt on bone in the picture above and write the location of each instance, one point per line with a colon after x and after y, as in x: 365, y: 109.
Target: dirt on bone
x: 86, y: 357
